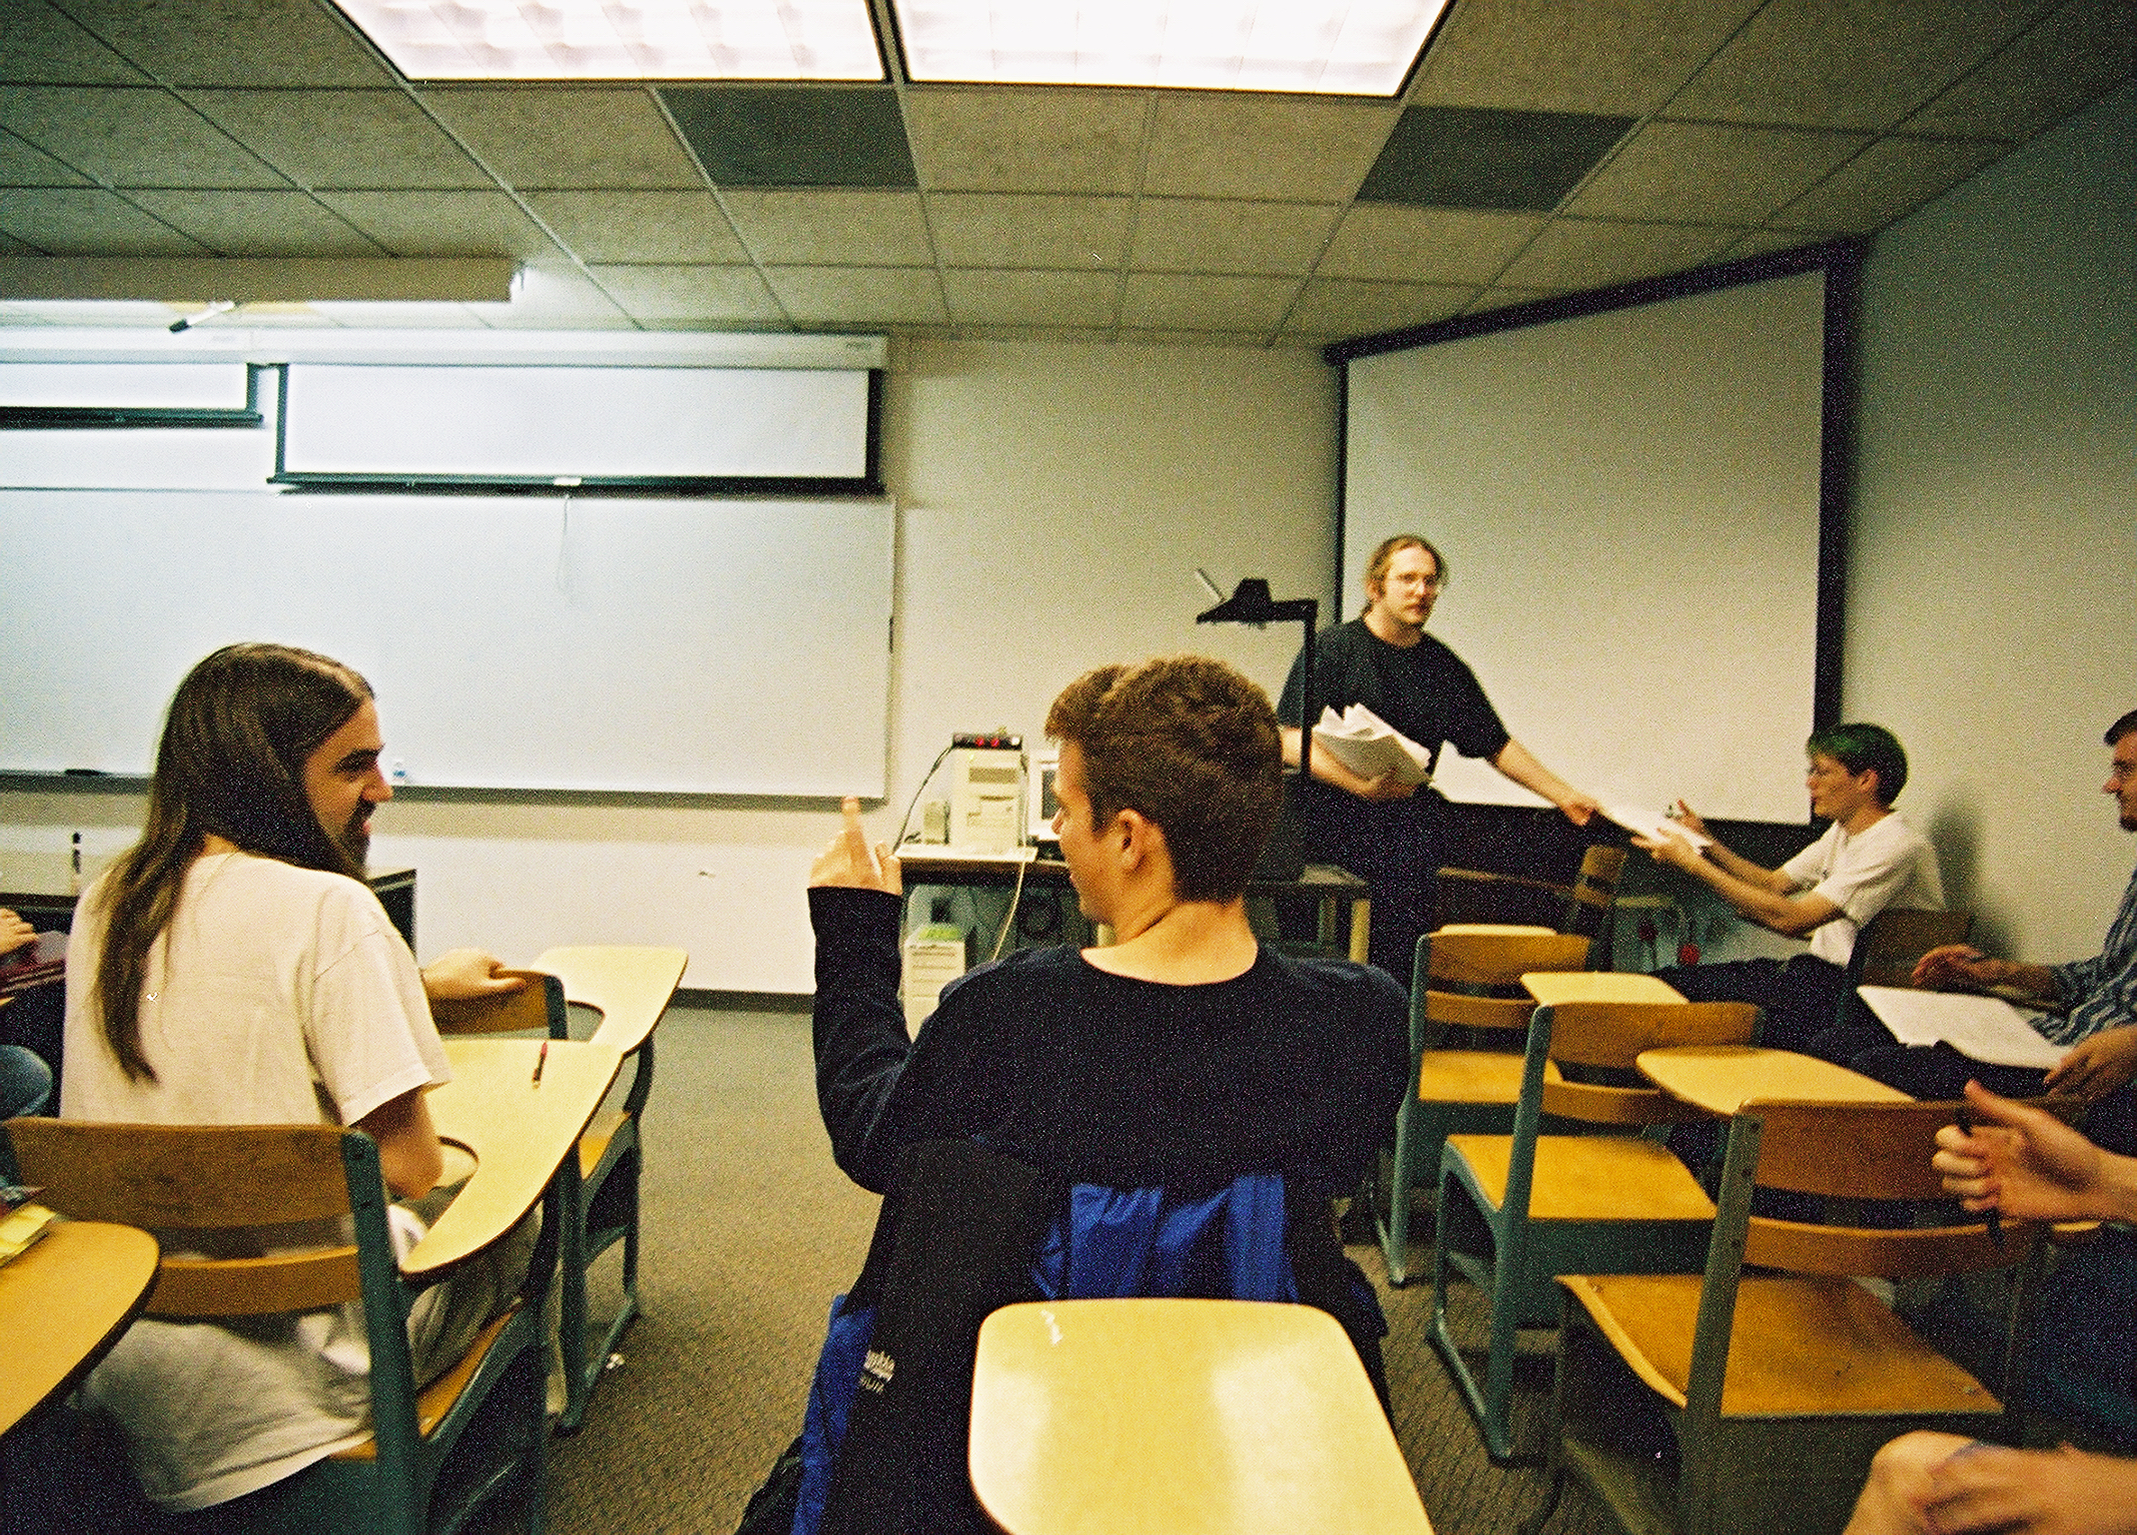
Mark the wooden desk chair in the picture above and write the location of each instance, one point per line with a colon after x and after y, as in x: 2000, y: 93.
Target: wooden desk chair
x: 1516, y: 1210
x: 1181, y: 1417
x: 1891, y: 941
x: 475, y: 1433
x: 1454, y: 1088
x: 630, y: 987
x: 1593, y: 900
x: 1776, y: 1387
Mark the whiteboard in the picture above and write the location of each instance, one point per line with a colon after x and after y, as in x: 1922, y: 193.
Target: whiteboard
x: 698, y: 646
x: 1629, y: 505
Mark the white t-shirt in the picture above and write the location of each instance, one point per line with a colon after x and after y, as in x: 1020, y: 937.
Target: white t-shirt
x: 278, y: 995
x: 1890, y: 864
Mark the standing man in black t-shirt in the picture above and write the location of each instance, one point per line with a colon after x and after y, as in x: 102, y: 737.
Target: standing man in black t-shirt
x: 1383, y: 829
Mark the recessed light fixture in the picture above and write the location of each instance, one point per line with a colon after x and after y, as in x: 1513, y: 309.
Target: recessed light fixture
x: 622, y: 39
x: 1325, y: 47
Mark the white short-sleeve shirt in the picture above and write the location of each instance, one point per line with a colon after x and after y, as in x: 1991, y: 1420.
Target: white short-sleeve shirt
x: 1889, y: 864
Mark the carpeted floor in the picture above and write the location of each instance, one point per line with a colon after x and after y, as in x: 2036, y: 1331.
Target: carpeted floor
x: 749, y: 1232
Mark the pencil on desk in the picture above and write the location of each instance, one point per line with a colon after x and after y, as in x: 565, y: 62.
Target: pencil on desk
x: 541, y: 1059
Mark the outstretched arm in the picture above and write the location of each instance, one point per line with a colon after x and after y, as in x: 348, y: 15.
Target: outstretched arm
x: 1518, y: 763
x: 1765, y: 896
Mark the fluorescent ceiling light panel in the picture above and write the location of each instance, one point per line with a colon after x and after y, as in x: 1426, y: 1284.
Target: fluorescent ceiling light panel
x: 622, y: 39
x: 1327, y: 47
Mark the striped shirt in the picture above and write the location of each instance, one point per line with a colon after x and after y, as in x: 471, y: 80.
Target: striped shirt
x: 2102, y: 991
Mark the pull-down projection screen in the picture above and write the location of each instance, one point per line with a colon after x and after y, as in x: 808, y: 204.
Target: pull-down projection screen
x: 1630, y: 507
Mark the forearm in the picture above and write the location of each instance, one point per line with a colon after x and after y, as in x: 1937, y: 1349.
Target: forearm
x: 859, y: 1031
x: 1790, y: 916
x: 1326, y: 769
x: 1518, y: 764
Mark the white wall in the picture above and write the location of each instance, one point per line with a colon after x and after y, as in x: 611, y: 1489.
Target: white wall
x: 1992, y: 600
x: 1054, y: 501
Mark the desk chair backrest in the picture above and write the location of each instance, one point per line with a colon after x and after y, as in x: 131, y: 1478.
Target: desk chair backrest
x: 1605, y: 1038
x: 1594, y: 895
x: 538, y: 1005
x: 188, y: 1182
x: 1891, y: 941
x: 1473, y: 980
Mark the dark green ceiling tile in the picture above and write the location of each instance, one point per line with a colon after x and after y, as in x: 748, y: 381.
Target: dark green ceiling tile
x: 1476, y: 157
x: 784, y: 136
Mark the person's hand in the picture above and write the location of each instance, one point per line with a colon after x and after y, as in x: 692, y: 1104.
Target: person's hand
x: 1385, y: 786
x: 1951, y: 965
x: 2098, y: 1065
x: 1987, y: 1488
x: 460, y: 974
x: 2020, y: 1161
x: 1580, y: 808
x: 849, y: 861
x: 1669, y: 849
x: 14, y: 932
x: 1688, y: 818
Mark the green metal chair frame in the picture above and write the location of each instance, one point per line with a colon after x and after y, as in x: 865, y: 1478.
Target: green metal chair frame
x: 1482, y: 964
x: 1776, y: 1467
x: 423, y: 1479
x: 1513, y: 1255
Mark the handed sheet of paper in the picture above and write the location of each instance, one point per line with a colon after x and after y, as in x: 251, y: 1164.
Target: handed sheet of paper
x: 1985, y: 1029
x: 1369, y: 746
x: 1646, y: 823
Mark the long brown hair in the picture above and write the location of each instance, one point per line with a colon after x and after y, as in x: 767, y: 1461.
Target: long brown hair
x: 231, y: 762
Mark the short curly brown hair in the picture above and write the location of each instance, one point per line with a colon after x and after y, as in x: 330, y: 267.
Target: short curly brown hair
x: 1189, y: 743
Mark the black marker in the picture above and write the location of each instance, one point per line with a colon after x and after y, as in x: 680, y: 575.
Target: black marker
x: 1966, y: 1126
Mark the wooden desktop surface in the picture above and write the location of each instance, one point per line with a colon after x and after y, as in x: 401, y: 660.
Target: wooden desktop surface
x: 629, y: 987
x: 1723, y: 1078
x: 1181, y: 1417
x: 63, y: 1303
x: 517, y: 1131
x: 1555, y: 986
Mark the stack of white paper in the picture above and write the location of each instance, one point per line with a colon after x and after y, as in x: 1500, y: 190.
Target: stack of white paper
x: 1985, y: 1029
x: 1369, y: 746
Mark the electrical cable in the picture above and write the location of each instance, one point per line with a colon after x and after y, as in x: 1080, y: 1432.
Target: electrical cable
x: 925, y: 778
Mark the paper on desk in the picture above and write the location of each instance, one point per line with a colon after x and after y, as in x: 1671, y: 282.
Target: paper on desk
x: 1369, y: 746
x: 1985, y: 1029
x: 1646, y: 823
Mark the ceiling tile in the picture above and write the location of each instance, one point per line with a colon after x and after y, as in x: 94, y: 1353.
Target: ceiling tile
x: 1888, y: 181
x: 1486, y: 157
x: 1763, y: 242
x: 1274, y: 148
x: 554, y: 295
x: 1725, y: 172
x: 1026, y: 140
x: 1170, y: 301
x: 442, y: 223
x: 724, y: 294
x: 130, y: 137
x: 1596, y: 56
x: 1334, y: 308
x: 22, y: 166
x: 87, y: 221
x: 39, y: 46
x: 2082, y: 50
x: 864, y: 296
x: 640, y: 226
x: 1260, y: 340
x: 552, y: 136
x: 1596, y: 253
x: 256, y: 223
x: 1865, y: 64
x: 794, y: 136
x: 1177, y: 234
x: 235, y: 42
x: 1008, y: 229
x: 1045, y: 299
x: 346, y: 140
x: 1390, y: 242
x: 831, y: 228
